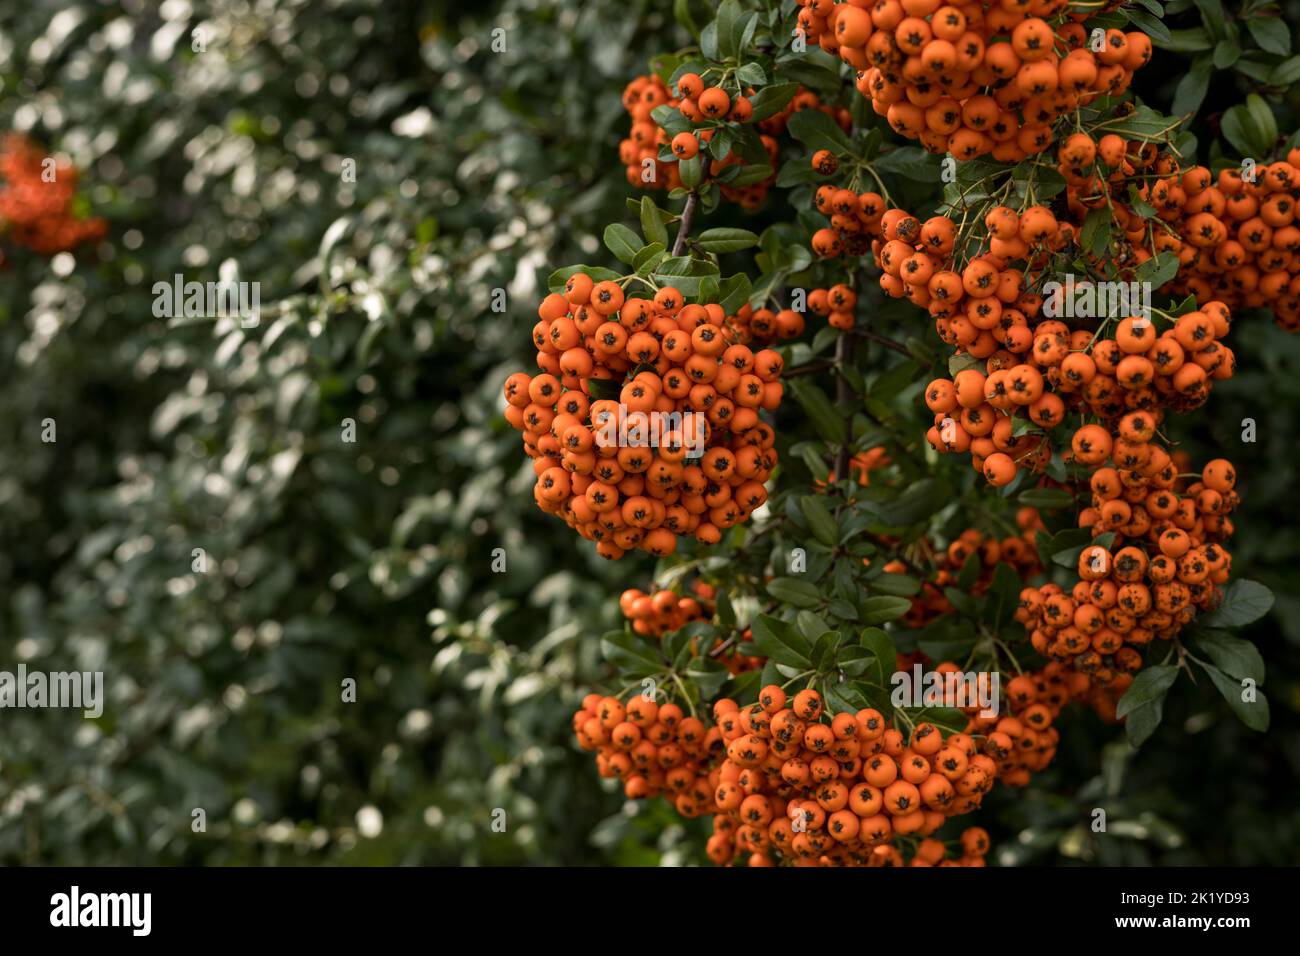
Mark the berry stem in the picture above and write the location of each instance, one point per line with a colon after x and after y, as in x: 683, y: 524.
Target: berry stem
x: 684, y: 230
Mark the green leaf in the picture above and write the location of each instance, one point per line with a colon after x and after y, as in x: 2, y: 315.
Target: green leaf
x: 1046, y: 498
x: 1191, y: 89
x: 899, y: 585
x: 734, y: 293
x: 1286, y: 73
x: 770, y: 100
x: 648, y: 258
x: 1212, y: 16
x: 709, y: 40
x: 779, y: 641
x: 1143, y: 703
x: 1147, y: 23
x: 706, y: 674
x: 843, y: 697
x: 1195, y: 40
x: 1235, y: 655
x: 810, y: 625
x: 691, y: 170
x: 746, y: 175
x: 1066, y: 553
x: 631, y: 652
x: 819, y: 519
x: 794, y: 592
x: 1003, y: 596
x: 962, y: 361
x: 652, y: 223
x: 881, y: 647
x: 1264, y: 121
x: 1226, y: 53
x: 970, y: 571
x: 1254, y: 714
x: 671, y: 119
x: 823, y: 653
x: 726, y: 611
x: 1143, y: 123
x: 1095, y: 236
x: 751, y: 74
x: 1250, y: 129
x: 883, y: 608
x: 730, y: 26
x: 1244, y: 602
x: 682, y: 13
x: 1159, y: 269
x: 623, y: 242
x: 825, y: 417
x: 843, y: 609
x: 910, y: 162
x: 816, y: 130
x: 919, y: 501
x: 1271, y: 33
x: 854, y: 660
x: 726, y: 240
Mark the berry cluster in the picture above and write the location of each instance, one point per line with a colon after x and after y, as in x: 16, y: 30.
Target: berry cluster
x: 652, y: 155
x: 1161, y: 567
x: 664, y: 611
x: 975, y: 78
x: 677, y: 448
x: 1240, y: 240
x: 36, y: 200
x: 797, y: 788
x: 653, y: 749
x: 1016, y: 551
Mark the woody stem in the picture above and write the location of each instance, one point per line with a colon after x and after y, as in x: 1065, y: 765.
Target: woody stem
x: 684, y: 230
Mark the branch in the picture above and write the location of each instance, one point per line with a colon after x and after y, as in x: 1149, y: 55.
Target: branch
x: 886, y: 342
x: 844, y: 399
x: 808, y: 368
x: 684, y: 230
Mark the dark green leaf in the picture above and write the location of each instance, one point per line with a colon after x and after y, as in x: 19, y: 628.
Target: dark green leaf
x: 726, y: 239
x: 820, y: 521
x: 1237, y: 656
x: 1254, y: 712
x: 652, y: 222
x: 883, y: 608
x: 778, y: 640
x: 1143, y: 703
x: 1271, y: 33
x: 794, y: 592
x: 1243, y: 603
x: 816, y: 130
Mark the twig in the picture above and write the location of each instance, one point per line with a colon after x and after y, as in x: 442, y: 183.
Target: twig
x: 684, y: 230
x: 843, y: 398
x: 808, y: 368
x: 886, y: 342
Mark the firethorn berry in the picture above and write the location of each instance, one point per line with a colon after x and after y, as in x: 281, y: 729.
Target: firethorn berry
x: 685, y: 145
x: 824, y: 162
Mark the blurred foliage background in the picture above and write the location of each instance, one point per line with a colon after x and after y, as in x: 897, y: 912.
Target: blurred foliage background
x: 221, y: 136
